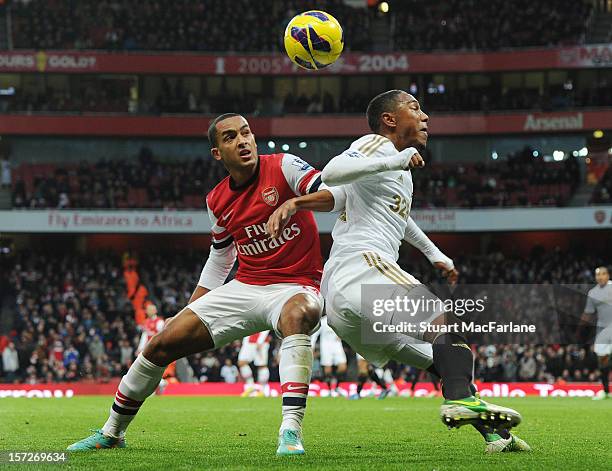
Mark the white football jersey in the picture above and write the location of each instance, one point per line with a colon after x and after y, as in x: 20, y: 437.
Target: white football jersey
x: 600, y: 301
x: 377, y: 206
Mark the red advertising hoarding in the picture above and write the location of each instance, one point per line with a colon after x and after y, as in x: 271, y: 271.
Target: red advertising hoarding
x: 587, y: 56
x: 68, y: 390
x: 299, y: 126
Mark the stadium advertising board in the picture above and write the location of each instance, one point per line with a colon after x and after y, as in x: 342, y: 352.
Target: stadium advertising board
x: 319, y: 126
x: 591, y: 56
x: 68, y: 390
x: 197, y: 222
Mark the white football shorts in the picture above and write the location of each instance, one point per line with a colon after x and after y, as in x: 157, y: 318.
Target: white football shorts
x: 332, y: 353
x: 236, y: 310
x: 341, y: 287
x: 256, y: 353
x: 603, y: 342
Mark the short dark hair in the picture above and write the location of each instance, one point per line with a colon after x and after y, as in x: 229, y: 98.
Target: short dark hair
x: 212, y: 128
x: 385, y: 102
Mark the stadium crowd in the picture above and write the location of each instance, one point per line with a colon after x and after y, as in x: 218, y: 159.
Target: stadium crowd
x: 74, y: 322
x: 206, y: 26
x: 519, y: 180
x: 488, y: 24
x: 106, y: 96
x: 142, y: 182
x: 181, y: 25
x: 149, y: 182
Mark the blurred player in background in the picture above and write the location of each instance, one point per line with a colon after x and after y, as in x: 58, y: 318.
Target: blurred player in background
x: 365, y: 371
x: 374, y: 173
x: 414, y: 375
x: 331, y: 354
x: 151, y: 327
x: 276, y: 286
x: 599, y: 302
x: 254, y: 349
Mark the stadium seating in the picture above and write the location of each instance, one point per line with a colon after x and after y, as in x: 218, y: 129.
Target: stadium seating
x: 151, y: 183
x: 178, y: 100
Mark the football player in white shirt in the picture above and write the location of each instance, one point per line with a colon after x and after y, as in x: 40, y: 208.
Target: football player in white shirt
x: 599, y: 302
x: 331, y: 354
x: 375, y: 174
x: 254, y: 349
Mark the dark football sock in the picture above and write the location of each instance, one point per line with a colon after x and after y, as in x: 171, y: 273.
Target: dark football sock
x: 361, y: 379
x: 415, y: 380
x: 435, y: 382
x: 374, y: 377
x: 340, y: 378
x: 605, y: 379
x: 454, y: 361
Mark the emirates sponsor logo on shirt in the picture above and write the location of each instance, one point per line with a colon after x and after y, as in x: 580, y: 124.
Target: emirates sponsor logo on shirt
x: 270, y: 196
x: 266, y: 244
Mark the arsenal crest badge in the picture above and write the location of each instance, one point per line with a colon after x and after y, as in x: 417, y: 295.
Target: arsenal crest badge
x: 270, y: 196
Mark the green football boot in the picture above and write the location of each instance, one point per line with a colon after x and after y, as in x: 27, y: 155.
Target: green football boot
x: 473, y: 410
x: 97, y: 441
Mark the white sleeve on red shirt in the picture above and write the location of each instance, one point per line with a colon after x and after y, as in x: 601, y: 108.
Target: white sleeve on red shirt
x: 143, y: 342
x: 303, y: 179
x: 221, y: 258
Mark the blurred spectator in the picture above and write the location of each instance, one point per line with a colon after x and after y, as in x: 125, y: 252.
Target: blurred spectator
x: 527, y: 367
x: 229, y: 372
x: 5, y: 169
x: 10, y: 362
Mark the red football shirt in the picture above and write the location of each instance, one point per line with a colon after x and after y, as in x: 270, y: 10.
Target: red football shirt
x: 239, y: 215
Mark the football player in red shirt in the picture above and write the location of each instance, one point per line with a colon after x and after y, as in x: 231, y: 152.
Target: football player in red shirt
x: 276, y: 286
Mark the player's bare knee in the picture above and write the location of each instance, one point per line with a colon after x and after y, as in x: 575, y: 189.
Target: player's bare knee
x: 159, y: 351
x: 299, y: 321
x: 300, y: 315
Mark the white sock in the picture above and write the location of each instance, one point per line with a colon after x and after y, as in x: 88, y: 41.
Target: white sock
x: 140, y: 382
x: 295, y: 368
x: 263, y: 375
x: 387, y: 377
x: 247, y: 374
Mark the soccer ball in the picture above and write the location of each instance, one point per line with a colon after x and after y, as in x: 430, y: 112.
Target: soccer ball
x: 314, y: 39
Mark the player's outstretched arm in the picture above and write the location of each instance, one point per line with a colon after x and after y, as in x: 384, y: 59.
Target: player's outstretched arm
x: 352, y: 165
x: 323, y: 200
x: 417, y: 238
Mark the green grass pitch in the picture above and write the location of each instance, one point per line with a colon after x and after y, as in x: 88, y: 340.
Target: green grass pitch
x: 240, y: 433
